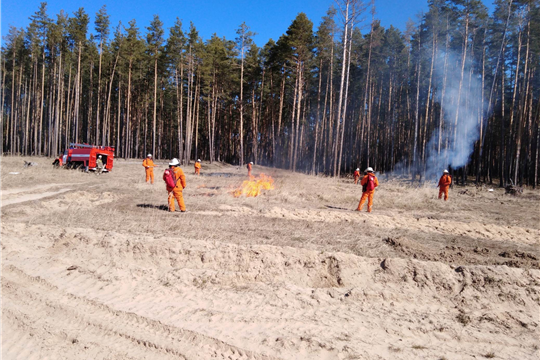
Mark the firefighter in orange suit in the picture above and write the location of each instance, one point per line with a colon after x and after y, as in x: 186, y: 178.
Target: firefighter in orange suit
x: 369, y: 183
x: 176, y: 192
x: 198, y: 167
x: 356, y: 175
x: 444, y: 184
x: 149, y: 168
x: 249, y: 167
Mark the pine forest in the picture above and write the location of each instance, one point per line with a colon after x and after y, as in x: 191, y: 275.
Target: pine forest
x: 458, y: 89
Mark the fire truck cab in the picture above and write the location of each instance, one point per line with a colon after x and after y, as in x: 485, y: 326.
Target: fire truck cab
x: 84, y: 156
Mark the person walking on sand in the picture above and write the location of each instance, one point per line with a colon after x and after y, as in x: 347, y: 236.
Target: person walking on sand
x: 249, y: 167
x: 198, y: 167
x: 176, y: 182
x: 444, y: 184
x: 149, y: 166
x: 369, y: 183
x: 356, y: 175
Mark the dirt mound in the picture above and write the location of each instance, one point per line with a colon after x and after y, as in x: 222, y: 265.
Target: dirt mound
x: 478, y: 253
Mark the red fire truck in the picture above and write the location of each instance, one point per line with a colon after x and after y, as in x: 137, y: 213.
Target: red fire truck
x: 84, y: 156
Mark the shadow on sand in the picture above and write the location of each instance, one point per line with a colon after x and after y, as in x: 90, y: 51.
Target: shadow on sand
x: 150, y: 206
x: 337, y: 208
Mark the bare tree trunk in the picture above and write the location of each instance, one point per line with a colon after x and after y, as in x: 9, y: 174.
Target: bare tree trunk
x: 99, y: 92
x: 242, y: 107
x: 417, y: 113
x: 367, y: 90
x: 90, y: 105
x: 118, y: 117
x: 181, y: 116
x: 260, y: 120
x: 300, y: 92
x: 68, y: 110
x: 330, y: 135
x: 536, y: 162
x: 463, y: 60
x: 59, y: 103
x: 188, y: 105
x: 77, y: 92
x: 27, y: 119
x: 128, y: 112
x: 295, y: 107
x: 63, y: 113
x: 348, y: 62
x: 197, y: 105
x: 315, y: 145
x: 12, y: 109
x: 253, y: 125
x: 342, y: 83
x: 3, y: 95
x: 272, y: 117
x: 499, y: 58
x: 178, y: 117
x: 155, y: 108
x: 41, y: 102
x: 106, y: 130
x: 433, y: 56
x: 519, y: 121
x: 502, y: 166
x: 280, y: 117
x: 481, y: 113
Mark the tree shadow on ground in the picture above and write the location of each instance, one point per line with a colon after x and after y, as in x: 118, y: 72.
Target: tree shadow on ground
x: 151, y: 206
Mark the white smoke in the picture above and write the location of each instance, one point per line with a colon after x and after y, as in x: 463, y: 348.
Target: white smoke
x: 456, y: 139
x: 456, y: 142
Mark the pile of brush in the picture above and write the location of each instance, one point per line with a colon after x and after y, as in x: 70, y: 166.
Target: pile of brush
x: 513, y: 190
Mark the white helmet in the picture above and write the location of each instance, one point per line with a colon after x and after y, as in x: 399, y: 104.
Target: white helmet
x: 369, y: 169
x: 149, y: 155
x: 199, y: 160
x: 99, y: 156
x: 445, y: 171
x: 357, y: 169
x: 251, y: 162
x: 174, y: 162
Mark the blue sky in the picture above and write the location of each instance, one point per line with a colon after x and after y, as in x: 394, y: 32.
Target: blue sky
x: 269, y: 19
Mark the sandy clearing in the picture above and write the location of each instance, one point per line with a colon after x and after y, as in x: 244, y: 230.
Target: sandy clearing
x: 290, y: 275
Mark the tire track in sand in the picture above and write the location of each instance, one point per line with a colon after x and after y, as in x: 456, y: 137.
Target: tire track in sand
x: 88, y: 326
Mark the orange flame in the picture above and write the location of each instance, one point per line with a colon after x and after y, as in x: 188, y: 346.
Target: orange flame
x: 253, y: 187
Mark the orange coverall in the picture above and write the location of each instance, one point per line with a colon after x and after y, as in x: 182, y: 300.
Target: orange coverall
x: 149, y: 167
x: 444, y: 185
x: 197, y: 168
x: 249, y: 169
x: 356, y: 176
x: 176, y: 192
x: 367, y: 194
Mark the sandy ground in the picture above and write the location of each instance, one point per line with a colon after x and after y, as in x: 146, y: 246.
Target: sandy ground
x: 94, y: 267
